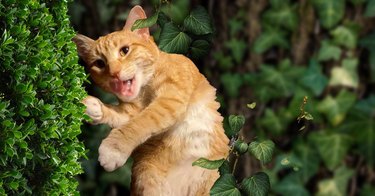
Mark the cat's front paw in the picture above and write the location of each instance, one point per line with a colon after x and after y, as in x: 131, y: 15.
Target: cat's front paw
x: 93, y: 109
x: 110, y: 156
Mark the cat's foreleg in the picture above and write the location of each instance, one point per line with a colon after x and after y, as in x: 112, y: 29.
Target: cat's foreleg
x: 101, y: 113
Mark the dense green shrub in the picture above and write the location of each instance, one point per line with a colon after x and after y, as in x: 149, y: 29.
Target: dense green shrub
x: 40, y: 93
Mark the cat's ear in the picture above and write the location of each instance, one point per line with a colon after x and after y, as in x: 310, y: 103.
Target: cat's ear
x: 136, y: 13
x: 84, y: 45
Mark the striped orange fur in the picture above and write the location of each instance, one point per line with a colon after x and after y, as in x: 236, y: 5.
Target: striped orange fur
x: 167, y: 114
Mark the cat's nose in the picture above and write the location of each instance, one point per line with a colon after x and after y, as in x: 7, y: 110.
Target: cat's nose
x: 114, y: 70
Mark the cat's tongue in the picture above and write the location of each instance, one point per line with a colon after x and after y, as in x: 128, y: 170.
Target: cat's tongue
x: 125, y: 88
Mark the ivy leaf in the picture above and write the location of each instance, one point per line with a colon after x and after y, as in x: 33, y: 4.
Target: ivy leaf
x: 173, y: 40
x: 314, y: 79
x: 257, y: 185
x: 231, y: 83
x: 282, y: 16
x: 225, y: 168
x: 199, y: 48
x: 330, y: 12
x: 269, y: 39
x: 309, y: 158
x: 337, y: 185
x: 237, y: 48
x: 208, y: 164
x: 291, y: 185
x: 198, y: 22
x: 362, y: 127
x: 236, y: 123
x: 329, y: 52
x: 332, y: 147
x: 345, y: 36
x: 263, y: 150
x: 370, y: 8
x: 271, y: 122
x: 225, y: 186
x: 335, y: 109
x: 147, y: 22
x: 346, y: 75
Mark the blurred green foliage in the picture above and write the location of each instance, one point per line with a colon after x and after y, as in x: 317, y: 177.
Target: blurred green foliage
x: 40, y: 94
x: 276, y: 53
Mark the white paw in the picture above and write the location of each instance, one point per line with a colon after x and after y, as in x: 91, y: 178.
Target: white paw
x: 93, y: 108
x: 111, y: 158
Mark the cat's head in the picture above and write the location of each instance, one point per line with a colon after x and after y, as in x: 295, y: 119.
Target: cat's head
x: 121, y: 62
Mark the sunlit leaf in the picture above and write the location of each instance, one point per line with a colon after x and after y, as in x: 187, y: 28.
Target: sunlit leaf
x: 256, y: 185
x: 251, y: 105
x: 336, y: 186
x: 346, y: 75
x: 225, y: 186
x: 208, y: 164
x: 335, y: 109
x: 262, y: 150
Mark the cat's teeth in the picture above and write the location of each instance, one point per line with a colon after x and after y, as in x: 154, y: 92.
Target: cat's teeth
x: 129, y: 82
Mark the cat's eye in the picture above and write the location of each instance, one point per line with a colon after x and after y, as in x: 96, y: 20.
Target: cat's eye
x: 124, y: 50
x: 99, y: 64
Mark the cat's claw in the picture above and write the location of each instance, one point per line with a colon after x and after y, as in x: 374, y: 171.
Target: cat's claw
x: 111, y: 158
x: 93, y: 109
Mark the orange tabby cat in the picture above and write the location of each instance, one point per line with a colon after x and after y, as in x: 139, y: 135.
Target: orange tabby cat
x: 167, y: 116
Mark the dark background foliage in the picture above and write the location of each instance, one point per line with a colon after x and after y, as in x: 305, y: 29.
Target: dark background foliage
x: 274, y: 53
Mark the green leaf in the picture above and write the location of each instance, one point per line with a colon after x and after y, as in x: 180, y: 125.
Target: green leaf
x: 208, y: 164
x: 336, y: 186
x: 367, y: 190
x: 225, y: 186
x: 199, y: 48
x: 330, y: 12
x: 262, y: 150
x: 282, y: 16
x: 173, y: 40
x: 269, y: 39
x: 237, y: 48
x: 362, y: 128
x: 345, y: 36
x: 231, y: 83
x: 147, y: 22
x: 225, y: 168
x: 314, y: 79
x: 198, y: 22
x: 332, y: 147
x: 346, y: 75
x: 291, y: 185
x: 335, y: 109
x: 309, y: 159
x: 370, y: 8
x: 240, y: 146
x: 329, y: 52
x: 272, y: 122
x: 257, y: 185
x: 251, y: 105
x: 236, y: 123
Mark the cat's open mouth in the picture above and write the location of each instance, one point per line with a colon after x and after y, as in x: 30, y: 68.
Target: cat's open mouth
x: 123, y: 87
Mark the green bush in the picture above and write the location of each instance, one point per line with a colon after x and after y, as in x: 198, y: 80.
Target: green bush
x: 40, y: 93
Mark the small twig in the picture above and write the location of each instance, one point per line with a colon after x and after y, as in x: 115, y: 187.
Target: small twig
x: 235, y: 163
